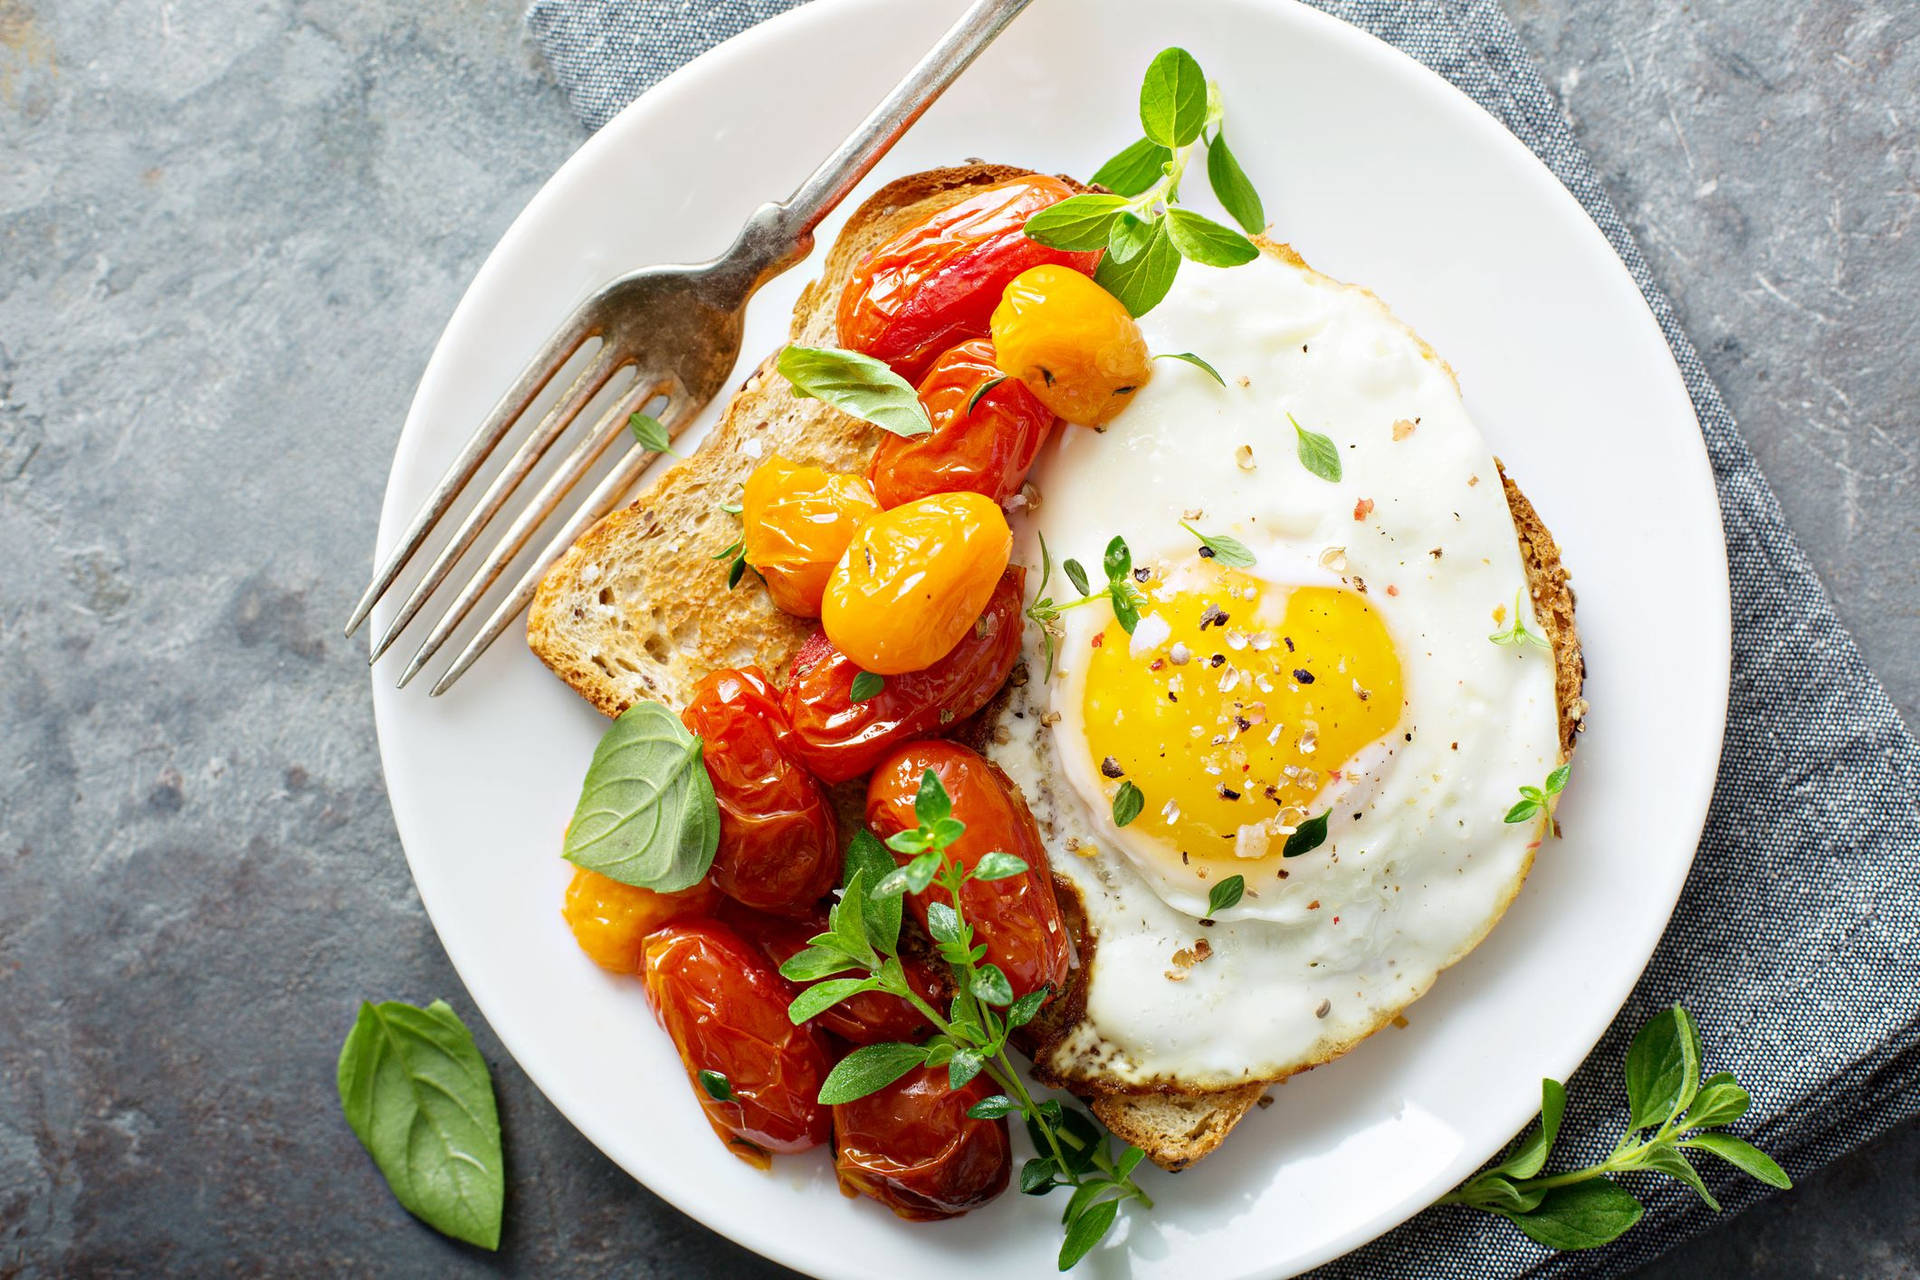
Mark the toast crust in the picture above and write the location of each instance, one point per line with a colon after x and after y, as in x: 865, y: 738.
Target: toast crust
x: 639, y: 607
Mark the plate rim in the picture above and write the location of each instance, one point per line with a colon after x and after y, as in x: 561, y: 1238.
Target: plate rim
x: 558, y: 187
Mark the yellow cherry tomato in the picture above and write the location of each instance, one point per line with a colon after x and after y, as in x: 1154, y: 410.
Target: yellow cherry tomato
x: 611, y: 920
x: 796, y: 522
x: 914, y: 580
x: 1072, y: 343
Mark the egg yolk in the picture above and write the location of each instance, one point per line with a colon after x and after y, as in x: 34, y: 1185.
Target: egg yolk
x: 1233, y: 724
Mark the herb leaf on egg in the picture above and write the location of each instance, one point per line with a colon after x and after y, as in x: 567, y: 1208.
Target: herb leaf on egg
x: 1128, y: 801
x: 1307, y: 837
x: 1228, y: 551
x: 1225, y: 895
x: 1317, y: 453
x: 1195, y: 361
x: 1519, y: 634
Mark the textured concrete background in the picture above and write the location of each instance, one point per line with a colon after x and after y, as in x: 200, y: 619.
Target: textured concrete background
x: 231, y: 230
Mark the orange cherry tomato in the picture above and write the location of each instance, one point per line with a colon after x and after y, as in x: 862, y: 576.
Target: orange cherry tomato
x: 779, y: 849
x: 914, y: 580
x: 838, y: 738
x: 871, y: 1017
x: 1018, y: 918
x: 796, y: 522
x: 726, y: 1009
x: 981, y: 442
x: 936, y: 283
x: 1072, y: 343
x: 913, y: 1147
x: 611, y: 920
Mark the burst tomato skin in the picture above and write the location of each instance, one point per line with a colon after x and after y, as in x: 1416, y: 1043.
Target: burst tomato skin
x: 611, y: 920
x: 779, y: 848
x: 1018, y: 918
x: 985, y: 445
x: 914, y: 580
x: 795, y: 524
x: 726, y: 1009
x: 1072, y: 343
x: 872, y: 1017
x: 838, y: 739
x: 936, y: 283
x: 913, y: 1147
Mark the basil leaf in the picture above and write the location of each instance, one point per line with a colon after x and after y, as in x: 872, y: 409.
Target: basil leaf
x: 1077, y: 576
x: 1086, y: 1231
x: 1231, y: 187
x: 1204, y: 240
x: 1317, y: 453
x: 417, y: 1094
x: 856, y: 384
x: 1023, y: 1009
x: 869, y: 1069
x: 931, y: 802
x: 1127, y: 803
x: 866, y: 685
x: 1078, y: 222
x: 647, y: 814
x: 866, y: 855
x: 1720, y: 1101
x: 1530, y: 1156
x: 717, y: 1086
x: 992, y: 1108
x: 1226, y: 894
x: 1655, y: 1071
x: 650, y: 433
x: 1743, y: 1156
x: 1583, y: 1215
x: 1130, y: 234
x: 1228, y: 551
x: 1660, y: 1157
x: 998, y: 866
x: 1141, y: 281
x: 1307, y: 837
x: 1134, y: 169
x: 1197, y: 363
x: 973, y: 402
x: 1173, y: 98
x: 1118, y: 560
x: 990, y: 984
x: 821, y: 996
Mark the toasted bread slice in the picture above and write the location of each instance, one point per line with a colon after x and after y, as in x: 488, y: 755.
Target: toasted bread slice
x: 639, y: 607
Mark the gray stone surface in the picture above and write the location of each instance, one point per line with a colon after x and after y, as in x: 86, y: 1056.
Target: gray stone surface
x: 229, y: 231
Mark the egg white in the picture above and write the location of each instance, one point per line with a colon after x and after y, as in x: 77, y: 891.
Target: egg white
x: 1419, y: 863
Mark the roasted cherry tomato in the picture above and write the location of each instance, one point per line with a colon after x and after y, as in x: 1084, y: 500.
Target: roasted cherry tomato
x: 1072, y: 343
x: 1017, y: 918
x: 983, y: 441
x: 796, y: 522
x: 838, y: 738
x: 779, y: 848
x: 913, y: 1147
x: 611, y: 920
x: 868, y: 1018
x: 936, y: 283
x: 726, y: 1010
x: 914, y: 580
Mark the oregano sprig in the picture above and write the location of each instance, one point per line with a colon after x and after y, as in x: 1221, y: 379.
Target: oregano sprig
x: 861, y: 942
x: 1671, y: 1111
x: 1142, y: 227
x: 1121, y: 591
x: 1519, y: 633
x: 1535, y: 799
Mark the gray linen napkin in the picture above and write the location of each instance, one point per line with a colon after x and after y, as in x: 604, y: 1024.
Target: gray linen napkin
x: 1794, y: 942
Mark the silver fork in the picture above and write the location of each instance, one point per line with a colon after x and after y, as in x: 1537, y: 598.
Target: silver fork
x: 678, y: 328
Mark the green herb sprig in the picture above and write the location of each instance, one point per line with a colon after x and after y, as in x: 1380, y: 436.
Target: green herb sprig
x: 1518, y: 634
x: 1535, y: 799
x: 1671, y: 1112
x: 1120, y: 590
x: 1141, y: 225
x: 861, y: 941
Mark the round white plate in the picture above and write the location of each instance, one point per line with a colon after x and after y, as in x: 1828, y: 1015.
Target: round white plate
x: 1379, y: 172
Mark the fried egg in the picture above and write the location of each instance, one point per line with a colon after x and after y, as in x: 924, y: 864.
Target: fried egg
x: 1345, y: 677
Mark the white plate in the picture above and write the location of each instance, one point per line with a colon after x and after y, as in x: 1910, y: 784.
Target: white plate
x: 1379, y: 172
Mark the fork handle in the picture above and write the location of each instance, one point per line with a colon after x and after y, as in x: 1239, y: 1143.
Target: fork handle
x: 780, y: 234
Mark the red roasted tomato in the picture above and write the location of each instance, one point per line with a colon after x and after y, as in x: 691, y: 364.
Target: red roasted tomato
x: 779, y: 849
x: 837, y: 738
x: 937, y: 282
x: 1017, y: 918
x: 913, y: 1147
x: 726, y: 1010
x: 868, y: 1018
x: 983, y: 446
